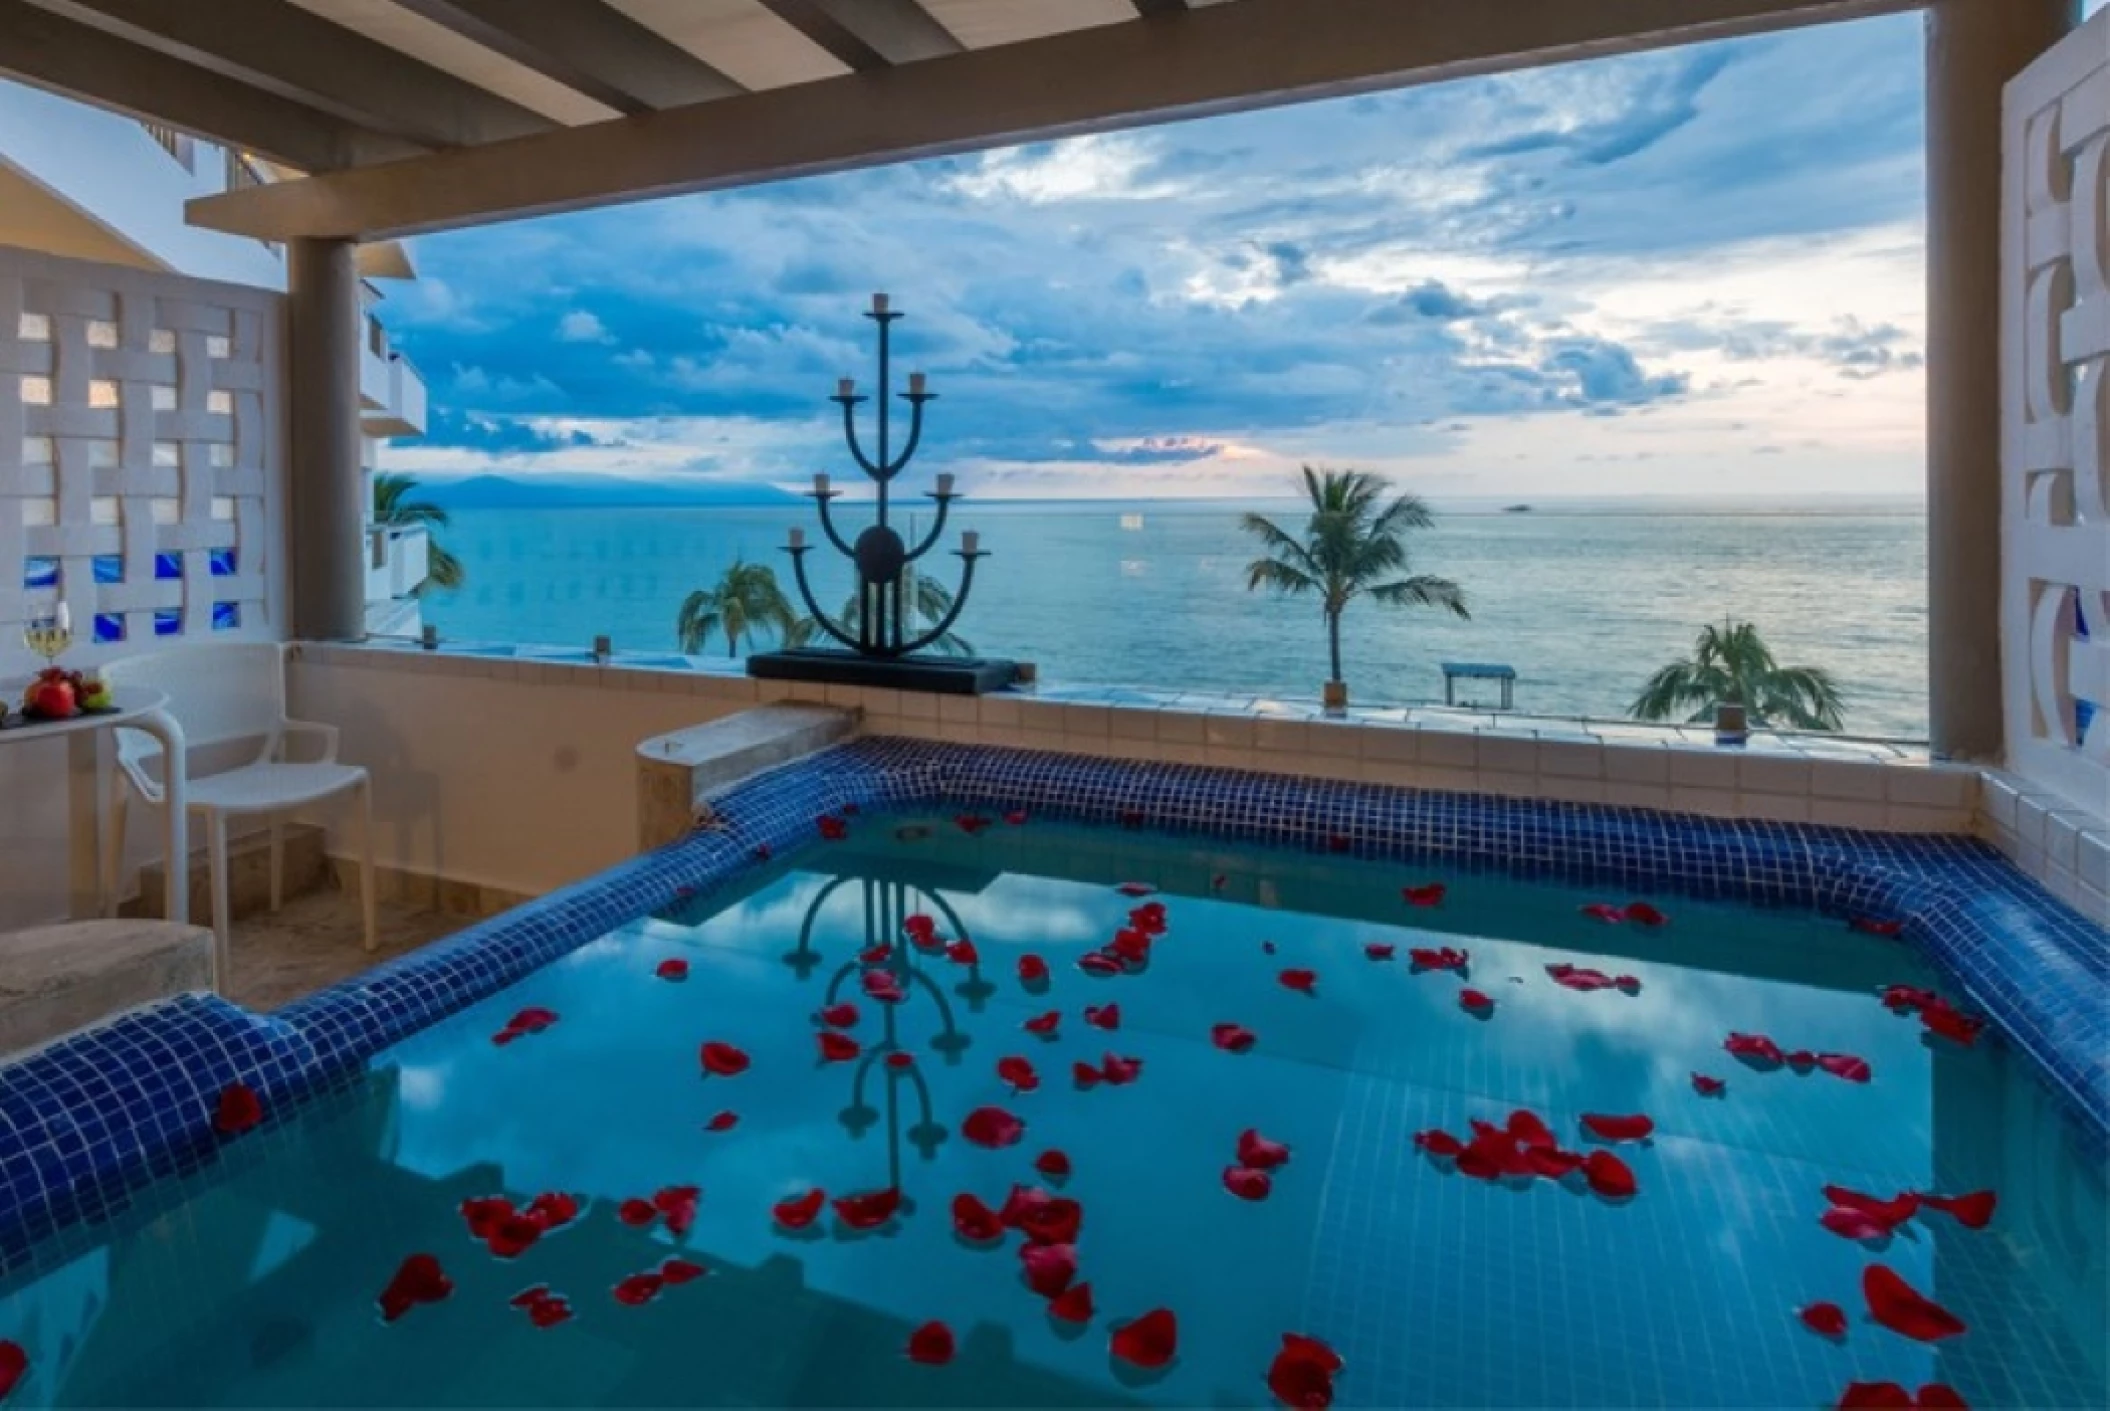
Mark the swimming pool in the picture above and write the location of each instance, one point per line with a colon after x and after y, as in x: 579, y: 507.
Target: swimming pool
x: 250, y: 1274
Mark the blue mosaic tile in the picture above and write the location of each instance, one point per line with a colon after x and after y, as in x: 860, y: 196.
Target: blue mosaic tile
x: 85, y: 1122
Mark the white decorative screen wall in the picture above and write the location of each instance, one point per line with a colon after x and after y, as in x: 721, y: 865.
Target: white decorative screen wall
x: 140, y: 456
x: 2055, y: 408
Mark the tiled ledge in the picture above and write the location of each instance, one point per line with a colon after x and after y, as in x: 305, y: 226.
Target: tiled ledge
x: 2046, y: 835
x: 1777, y: 777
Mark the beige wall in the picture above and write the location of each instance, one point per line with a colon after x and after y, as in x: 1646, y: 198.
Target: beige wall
x: 508, y: 774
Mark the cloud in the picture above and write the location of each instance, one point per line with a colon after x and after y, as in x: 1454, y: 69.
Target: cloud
x: 1413, y: 278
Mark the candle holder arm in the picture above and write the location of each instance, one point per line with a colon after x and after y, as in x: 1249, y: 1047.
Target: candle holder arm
x: 849, y: 406
x: 842, y: 546
x: 820, y: 618
x: 959, y: 602
x: 915, y: 401
x: 937, y: 528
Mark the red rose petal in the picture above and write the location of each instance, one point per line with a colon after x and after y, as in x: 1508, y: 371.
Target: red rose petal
x: 1043, y: 1023
x: 418, y: 1279
x: 1578, y: 977
x: 639, y: 1289
x: 1032, y: 970
x: 832, y: 829
x: 548, y: 1312
x: 1756, y: 1046
x: 722, y: 1122
x: 1016, y: 818
x: 1939, y: 1396
x: 1044, y: 1218
x: 636, y: 1212
x: 239, y: 1110
x: 1476, y: 1002
x: 1944, y: 1019
x: 532, y: 1020
x: 868, y: 1210
x: 1135, y: 889
x: 1130, y: 946
x: 1706, y: 1086
x: 1073, y: 1304
x: 1258, y: 1152
x: 1552, y: 1162
x: 1874, y: 1395
x: 1018, y: 1073
x: 919, y: 925
x: 992, y: 1127
x: 1854, y: 1224
x: 1094, y: 962
x: 837, y: 1048
x: 1049, y: 1268
x: 931, y: 1344
x: 1150, y: 1341
x: 1642, y: 914
x: 1845, y: 1065
x: 1875, y: 926
x: 1427, y: 894
x: 1246, y: 1183
x: 1379, y: 950
x: 1828, y: 1319
x: 1103, y: 1016
x: 1302, y: 981
x: 723, y: 1060
x: 798, y: 1212
x: 1973, y: 1211
x: 529, y: 1296
x: 883, y: 986
x: 1608, y: 1175
x: 1447, y: 958
x: 1084, y: 1075
x: 975, y: 1221
x: 1438, y: 1143
x: 675, y: 969
x: 1233, y: 1038
x: 1052, y: 1163
x: 1120, y: 1071
x: 14, y: 1362
x: 1889, y: 1213
x: 1617, y: 1128
x: 554, y: 1208
x: 876, y: 954
x: 678, y: 1205
x: 839, y: 1016
x: 681, y: 1271
x: 1303, y: 1371
x: 514, y: 1235
x: 1898, y: 1307
x: 962, y: 952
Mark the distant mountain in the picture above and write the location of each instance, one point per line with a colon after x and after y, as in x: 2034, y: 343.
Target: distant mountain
x: 494, y: 492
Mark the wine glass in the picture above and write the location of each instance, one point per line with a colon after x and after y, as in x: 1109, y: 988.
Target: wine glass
x: 49, y: 636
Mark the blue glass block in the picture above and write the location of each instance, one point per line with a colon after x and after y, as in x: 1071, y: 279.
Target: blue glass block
x: 40, y: 572
x: 168, y: 621
x: 109, y: 568
x: 168, y: 565
x: 2083, y: 712
x: 109, y: 627
x: 222, y: 561
x: 226, y: 616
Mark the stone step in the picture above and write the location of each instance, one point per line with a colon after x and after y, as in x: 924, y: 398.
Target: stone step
x: 678, y: 773
x: 56, y: 979
x: 248, y: 874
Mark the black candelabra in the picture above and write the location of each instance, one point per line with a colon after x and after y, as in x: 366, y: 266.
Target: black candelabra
x: 886, y: 616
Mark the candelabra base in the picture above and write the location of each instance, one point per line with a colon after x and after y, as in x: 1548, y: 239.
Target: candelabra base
x: 945, y: 676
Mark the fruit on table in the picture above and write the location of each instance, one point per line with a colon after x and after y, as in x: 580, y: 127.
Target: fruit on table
x: 94, y: 693
x: 54, y: 695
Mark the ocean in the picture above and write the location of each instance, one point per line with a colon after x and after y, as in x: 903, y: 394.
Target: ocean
x: 1584, y: 599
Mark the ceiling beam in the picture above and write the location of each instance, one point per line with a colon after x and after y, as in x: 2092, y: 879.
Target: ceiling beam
x: 588, y: 47
x: 301, y: 57
x: 869, y: 34
x: 1223, y: 58
x: 48, y: 51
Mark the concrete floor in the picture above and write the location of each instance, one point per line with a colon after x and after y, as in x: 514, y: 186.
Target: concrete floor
x: 314, y: 940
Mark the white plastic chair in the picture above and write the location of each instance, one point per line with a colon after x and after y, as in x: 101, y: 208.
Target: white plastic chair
x: 230, y: 699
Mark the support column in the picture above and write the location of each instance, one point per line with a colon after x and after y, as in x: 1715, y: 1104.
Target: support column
x: 326, y: 543
x: 1973, y: 48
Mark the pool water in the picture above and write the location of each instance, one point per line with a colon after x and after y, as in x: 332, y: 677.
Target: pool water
x: 255, y: 1283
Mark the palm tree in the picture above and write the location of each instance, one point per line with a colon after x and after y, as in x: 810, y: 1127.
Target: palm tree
x: 926, y: 601
x: 394, y: 508
x: 1352, y: 541
x: 746, y: 600
x: 1732, y: 664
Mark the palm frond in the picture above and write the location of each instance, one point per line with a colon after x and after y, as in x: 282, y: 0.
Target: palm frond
x: 1423, y: 590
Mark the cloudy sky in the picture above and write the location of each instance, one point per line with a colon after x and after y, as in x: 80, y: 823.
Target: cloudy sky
x: 1696, y: 272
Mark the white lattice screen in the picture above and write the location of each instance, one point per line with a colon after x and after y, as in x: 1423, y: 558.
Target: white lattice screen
x: 2055, y: 498
x: 140, y: 456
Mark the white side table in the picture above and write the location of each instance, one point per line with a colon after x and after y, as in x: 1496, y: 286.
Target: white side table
x: 138, y: 710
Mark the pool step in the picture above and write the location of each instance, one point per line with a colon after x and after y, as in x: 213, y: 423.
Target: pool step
x: 679, y: 772
x: 56, y: 979
x: 248, y: 875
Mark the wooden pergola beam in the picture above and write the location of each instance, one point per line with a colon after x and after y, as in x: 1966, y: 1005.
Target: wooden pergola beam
x: 303, y: 58
x: 588, y: 47
x: 1222, y: 58
x: 50, y: 51
x: 869, y: 34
